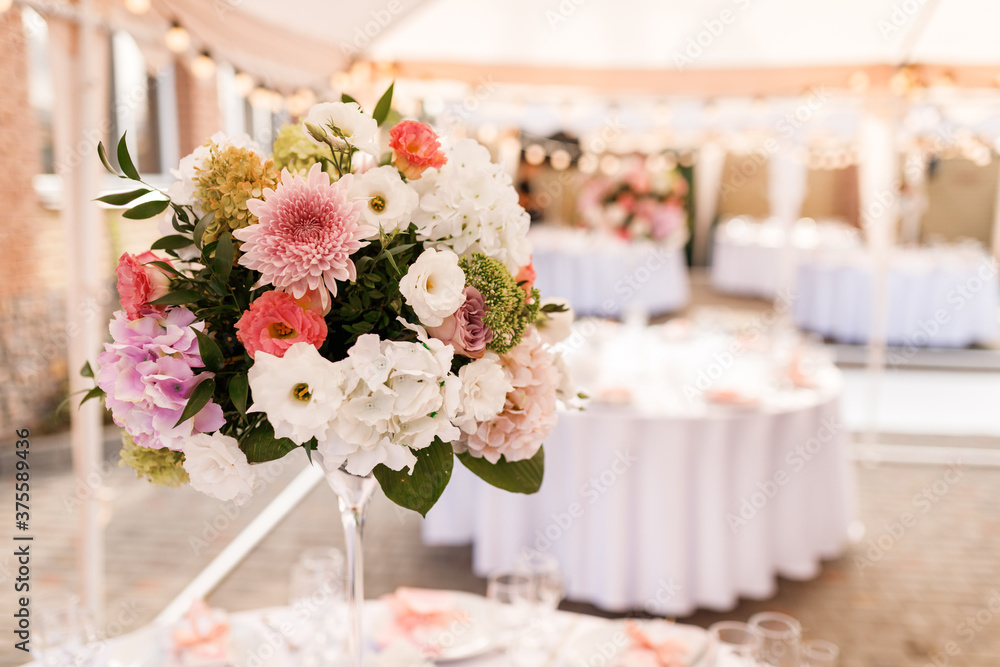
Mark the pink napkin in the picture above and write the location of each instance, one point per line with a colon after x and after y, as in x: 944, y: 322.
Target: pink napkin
x: 730, y: 397
x: 201, y: 638
x: 417, y: 613
x: 644, y: 651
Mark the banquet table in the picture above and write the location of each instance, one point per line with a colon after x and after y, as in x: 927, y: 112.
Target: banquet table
x: 259, y: 638
x: 748, y: 256
x: 601, y: 274
x: 665, y: 504
x: 935, y: 297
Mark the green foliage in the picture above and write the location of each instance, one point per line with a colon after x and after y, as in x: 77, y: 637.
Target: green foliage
x: 518, y: 477
x: 420, y: 490
x: 507, y: 315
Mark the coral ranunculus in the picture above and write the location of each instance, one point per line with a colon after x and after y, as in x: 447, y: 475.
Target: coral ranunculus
x: 415, y: 147
x: 139, y: 284
x: 275, y: 322
x: 526, y: 278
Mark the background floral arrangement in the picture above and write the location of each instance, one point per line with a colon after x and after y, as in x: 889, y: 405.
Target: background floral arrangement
x: 376, y: 308
x: 639, y: 204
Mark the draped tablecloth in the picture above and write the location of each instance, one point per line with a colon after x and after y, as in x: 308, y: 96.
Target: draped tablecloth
x: 606, y: 276
x: 670, y: 514
x: 748, y: 257
x: 936, y: 297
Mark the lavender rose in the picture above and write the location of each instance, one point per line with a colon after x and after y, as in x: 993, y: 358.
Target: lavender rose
x: 465, y: 330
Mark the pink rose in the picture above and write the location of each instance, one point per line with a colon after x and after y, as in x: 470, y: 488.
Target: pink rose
x: 526, y: 275
x: 415, y: 147
x: 275, y: 322
x: 465, y: 330
x: 139, y: 284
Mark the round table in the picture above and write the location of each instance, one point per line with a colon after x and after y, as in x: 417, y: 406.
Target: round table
x: 653, y: 510
x: 748, y: 256
x: 607, y: 276
x: 936, y: 297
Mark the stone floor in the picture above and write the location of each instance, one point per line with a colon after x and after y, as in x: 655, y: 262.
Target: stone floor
x: 897, y: 598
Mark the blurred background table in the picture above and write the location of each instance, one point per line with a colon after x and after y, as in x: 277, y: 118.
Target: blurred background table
x: 601, y: 274
x: 718, y: 467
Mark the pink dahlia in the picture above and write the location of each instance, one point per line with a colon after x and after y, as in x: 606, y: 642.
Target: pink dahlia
x: 415, y: 147
x: 275, y: 322
x: 529, y: 412
x: 307, y: 232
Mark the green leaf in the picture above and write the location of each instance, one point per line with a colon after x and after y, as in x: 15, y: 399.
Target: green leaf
x: 238, y: 390
x: 177, y: 298
x: 223, y: 262
x: 199, y: 229
x: 260, y: 445
x: 382, y: 108
x: 422, y: 489
x: 163, y: 266
x: 518, y: 477
x: 87, y: 371
x: 125, y: 160
x: 147, y: 209
x: 96, y: 392
x: 211, y: 353
x: 347, y: 99
x: 122, y: 198
x: 199, y: 398
x: 172, y: 242
x: 103, y: 154
x: 401, y: 248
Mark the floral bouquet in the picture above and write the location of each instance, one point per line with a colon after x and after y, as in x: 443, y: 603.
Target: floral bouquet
x: 376, y: 308
x: 638, y: 205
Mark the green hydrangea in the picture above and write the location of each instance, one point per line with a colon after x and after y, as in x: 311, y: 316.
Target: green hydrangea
x: 226, y: 179
x: 163, y: 467
x: 296, y: 152
x: 507, y: 313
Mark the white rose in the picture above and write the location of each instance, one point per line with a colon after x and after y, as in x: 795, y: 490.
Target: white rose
x: 484, y: 387
x: 556, y: 327
x: 218, y: 467
x: 354, y: 126
x: 433, y: 286
x: 388, y: 200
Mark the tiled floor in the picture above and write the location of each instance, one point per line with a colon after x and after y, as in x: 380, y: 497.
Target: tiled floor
x: 896, y: 599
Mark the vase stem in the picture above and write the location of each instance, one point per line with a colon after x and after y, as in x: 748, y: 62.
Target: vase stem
x: 354, y: 492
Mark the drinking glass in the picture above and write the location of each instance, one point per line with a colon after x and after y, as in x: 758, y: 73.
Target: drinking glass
x: 511, y: 599
x: 317, y: 595
x: 65, y: 633
x: 819, y: 653
x: 546, y: 577
x: 782, y: 635
x: 735, y: 643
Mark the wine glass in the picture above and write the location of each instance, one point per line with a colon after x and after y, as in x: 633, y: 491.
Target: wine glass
x: 819, y: 653
x: 735, y: 643
x: 547, y: 581
x: 511, y: 599
x: 65, y: 633
x: 782, y: 635
x: 317, y: 591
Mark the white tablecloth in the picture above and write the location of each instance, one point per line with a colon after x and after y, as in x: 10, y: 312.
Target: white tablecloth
x: 936, y: 297
x: 669, y: 514
x: 748, y: 257
x: 604, y: 275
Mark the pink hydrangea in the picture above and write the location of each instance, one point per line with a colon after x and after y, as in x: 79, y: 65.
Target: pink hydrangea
x: 139, y: 284
x: 146, y: 372
x: 275, y: 322
x: 415, y: 148
x: 529, y: 413
x: 308, y: 230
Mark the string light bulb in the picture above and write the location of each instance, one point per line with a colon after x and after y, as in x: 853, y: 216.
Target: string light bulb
x: 534, y: 154
x: 243, y: 83
x: 203, y: 67
x: 5, y: 5
x: 178, y: 39
x: 560, y: 159
x: 137, y: 7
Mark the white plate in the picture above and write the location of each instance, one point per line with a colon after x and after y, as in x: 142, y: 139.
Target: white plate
x: 459, y: 640
x: 603, y: 643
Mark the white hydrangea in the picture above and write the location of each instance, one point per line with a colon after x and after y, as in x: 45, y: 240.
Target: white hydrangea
x: 484, y: 387
x: 470, y: 206
x: 398, y: 397
x: 182, y: 191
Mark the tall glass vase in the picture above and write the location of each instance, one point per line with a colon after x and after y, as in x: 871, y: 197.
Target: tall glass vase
x: 354, y: 493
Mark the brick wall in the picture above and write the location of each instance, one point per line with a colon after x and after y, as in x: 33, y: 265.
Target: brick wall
x: 197, y: 109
